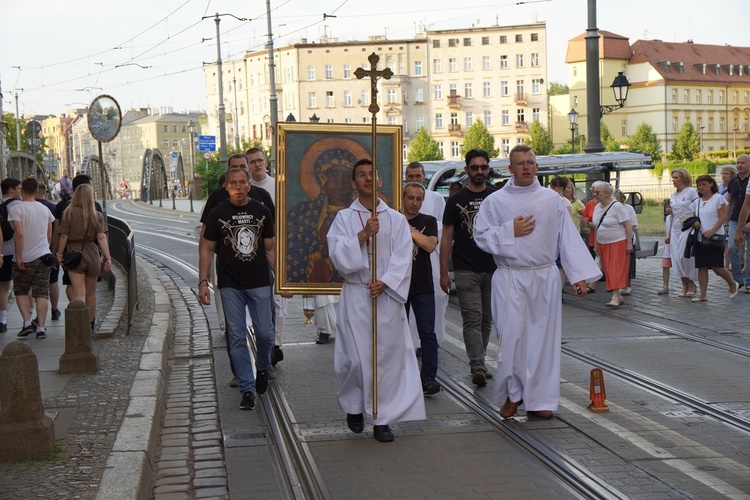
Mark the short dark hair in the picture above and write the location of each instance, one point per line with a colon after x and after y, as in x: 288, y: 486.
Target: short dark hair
x: 415, y: 164
x: 412, y: 185
x: 80, y: 179
x: 8, y: 184
x: 476, y: 153
x: 252, y: 151
x: 711, y: 181
x: 236, y: 155
x: 29, y: 185
x: 559, y: 181
x: 42, y: 188
x: 235, y: 169
x: 359, y: 163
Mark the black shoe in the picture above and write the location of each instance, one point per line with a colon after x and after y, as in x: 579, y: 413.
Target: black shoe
x: 3, y: 327
x: 356, y: 423
x: 277, y: 356
x: 261, y: 382
x: 56, y: 314
x: 418, y: 352
x: 487, y: 375
x: 41, y: 334
x: 248, y: 401
x: 479, y: 378
x: 430, y: 387
x: 34, y: 323
x: 26, y: 331
x: 383, y: 433
x: 323, y: 338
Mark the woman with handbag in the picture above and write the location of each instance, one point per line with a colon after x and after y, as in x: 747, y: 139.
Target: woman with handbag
x: 81, y: 228
x: 681, y: 202
x: 613, y: 239
x: 713, y: 211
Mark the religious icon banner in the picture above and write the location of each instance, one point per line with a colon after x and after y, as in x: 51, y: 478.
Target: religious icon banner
x: 314, y: 172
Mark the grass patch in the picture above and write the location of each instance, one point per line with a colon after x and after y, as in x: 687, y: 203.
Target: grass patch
x: 651, y: 220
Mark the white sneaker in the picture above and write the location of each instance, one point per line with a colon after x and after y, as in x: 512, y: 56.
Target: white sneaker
x: 626, y: 291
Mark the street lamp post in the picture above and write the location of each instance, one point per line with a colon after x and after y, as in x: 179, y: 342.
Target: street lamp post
x: 573, y: 119
x: 191, y: 181
x: 701, y: 139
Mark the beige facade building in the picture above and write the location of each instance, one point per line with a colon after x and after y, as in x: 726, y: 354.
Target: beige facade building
x: 443, y: 80
x: 58, y: 137
x: 671, y: 83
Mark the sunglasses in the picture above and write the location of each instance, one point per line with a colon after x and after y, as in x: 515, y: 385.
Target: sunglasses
x: 474, y: 168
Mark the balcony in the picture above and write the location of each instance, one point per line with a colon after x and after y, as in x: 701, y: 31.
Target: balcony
x: 455, y: 129
x: 522, y: 126
x: 454, y: 101
x: 521, y: 98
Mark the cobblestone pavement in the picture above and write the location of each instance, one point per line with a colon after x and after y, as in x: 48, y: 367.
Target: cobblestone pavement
x: 94, y: 406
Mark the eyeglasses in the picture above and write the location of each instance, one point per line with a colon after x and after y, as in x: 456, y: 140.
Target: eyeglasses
x: 474, y: 168
x: 258, y: 161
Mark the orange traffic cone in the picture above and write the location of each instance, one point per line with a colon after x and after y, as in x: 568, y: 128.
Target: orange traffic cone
x: 597, y: 392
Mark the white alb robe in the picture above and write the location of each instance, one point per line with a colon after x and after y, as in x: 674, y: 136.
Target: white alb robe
x: 526, y: 289
x: 399, y: 385
x: 434, y: 204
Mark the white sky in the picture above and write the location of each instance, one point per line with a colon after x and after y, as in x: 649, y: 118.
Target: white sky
x: 68, y: 50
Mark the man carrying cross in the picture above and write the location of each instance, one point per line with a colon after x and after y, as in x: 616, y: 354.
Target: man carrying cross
x: 350, y: 248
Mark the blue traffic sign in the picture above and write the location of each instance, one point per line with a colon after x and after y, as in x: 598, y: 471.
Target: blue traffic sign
x: 206, y: 143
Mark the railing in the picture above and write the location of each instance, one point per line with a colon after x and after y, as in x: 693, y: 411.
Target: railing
x: 454, y: 100
x: 454, y: 128
x: 122, y: 250
x: 522, y: 126
x: 522, y: 97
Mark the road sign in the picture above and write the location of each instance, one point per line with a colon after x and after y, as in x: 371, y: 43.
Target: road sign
x: 206, y: 143
x: 173, y: 160
x: 207, y: 155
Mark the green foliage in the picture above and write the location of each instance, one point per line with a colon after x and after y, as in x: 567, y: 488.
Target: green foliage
x: 565, y: 149
x: 539, y: 139
x: 557, y: 88
x: 210, y: 170
x: 696, y: 168
x: 424, y: 148
x: 478, y: 137
x: 645, y: 141
x: 687, y: 146
x: 608, y: 141
x: 10, y: 138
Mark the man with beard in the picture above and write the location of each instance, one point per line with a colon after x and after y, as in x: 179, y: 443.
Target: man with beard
x: 472, y: 267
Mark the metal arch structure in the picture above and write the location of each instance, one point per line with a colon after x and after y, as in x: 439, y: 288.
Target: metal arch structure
x: 92, y: 167
x: 153, y: 175
x: 20, y: 165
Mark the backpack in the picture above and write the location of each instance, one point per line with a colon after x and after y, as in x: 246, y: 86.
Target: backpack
x: 5, y: 224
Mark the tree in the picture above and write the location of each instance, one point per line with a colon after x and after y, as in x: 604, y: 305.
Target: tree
x: 557, y: 88
x: 687, y: 146
x: 10, y: 138
x: 609, y: 142
x: 424, y: 148
x: 539, y: 139
x: 645, y: 141
x: 478, y: 137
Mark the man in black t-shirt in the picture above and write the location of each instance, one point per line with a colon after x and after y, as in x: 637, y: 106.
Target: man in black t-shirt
x: 424, y: 234
x: 241, y: 231
x: 736, y: 197
x: 472, y: 267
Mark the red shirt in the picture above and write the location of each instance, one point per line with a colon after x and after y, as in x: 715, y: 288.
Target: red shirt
x: 588, y: 213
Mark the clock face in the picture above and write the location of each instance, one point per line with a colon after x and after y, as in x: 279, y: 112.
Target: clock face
x: 104, y: 117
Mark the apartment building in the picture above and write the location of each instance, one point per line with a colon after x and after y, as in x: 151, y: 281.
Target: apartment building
x: 443, y: 80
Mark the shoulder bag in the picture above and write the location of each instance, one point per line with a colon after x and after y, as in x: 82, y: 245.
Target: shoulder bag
x: 72, y: 259
x: 715, y: 242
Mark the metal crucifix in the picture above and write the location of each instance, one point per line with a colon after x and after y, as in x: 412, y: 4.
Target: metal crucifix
x: 374, y: 74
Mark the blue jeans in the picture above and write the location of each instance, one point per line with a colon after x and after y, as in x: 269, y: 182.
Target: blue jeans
x: 424, y: 314
x: 474, y: 292
x: 734, y: 255
x: 256, y: 301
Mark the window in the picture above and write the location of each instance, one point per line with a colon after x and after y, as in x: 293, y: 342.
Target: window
x: 392, y: 120
x: 536, y: 86
x: 391, y: 96
x: 441, y: 148
x: 535, y: 114
x: 468, y: 91
x: 710, y: 125
x: 389, y: 63
x: 329, y: 72
x: 485, y: 63
x: 347, y: 71
x: 436, y: 44
x: 417, y: 68
x: 698, y: 97
x: 485, y: 40
x: 721, y: 97
x: 487, y: 118
x: 735, y: 97
x: 401, y: 70
x: 747, y: 95
x: 347, y: 120
x: 674, y: 124
x: 519, y: 60
x: 455, y: 149
x: 535, y: 37
x: 438, y: 120
x: 166, y: 143
x: 419, y: 95
x: 686, y: 96
x: 534, y: 59
x: 503, y: 39
x: 166, y: 128
x: 467, y: 42
x: 521, y: 115
x: 311, y: 72
x: 519, y: 88
x: 674, y: 96
x: 503, y: 62
x: 721, y: 124
x: 347, y: 98
x: 469, y: 119
x: 437, y: 66
x: 486, y: 89
x: 467, y: 63
x: 698, y: 122
x: 452, y: 89
x: 174, y: 145
x: 438, y: 91
x: 505, y: 117
x: 519, y: 38
x: 504, y: 88
x: 452, y: 65
x: 420, y: 121
x: 624, y: 128
x: 452, y: 42
x: 710, y: 97
x: 506, y: 146
x: 329, y: 99
x: 367, y: 119
x: 406, y: 126
x: 454, y: 118
x: 184, y: 128
x: 365, y: 98
x: 174, y: 128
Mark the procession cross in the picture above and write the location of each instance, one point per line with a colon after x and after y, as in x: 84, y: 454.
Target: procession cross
x: 374, y: 74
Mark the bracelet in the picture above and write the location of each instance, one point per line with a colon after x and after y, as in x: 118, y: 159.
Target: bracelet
x: 202, y: 282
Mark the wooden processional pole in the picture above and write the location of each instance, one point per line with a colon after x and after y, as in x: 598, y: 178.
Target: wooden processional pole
x: 374, y: 75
